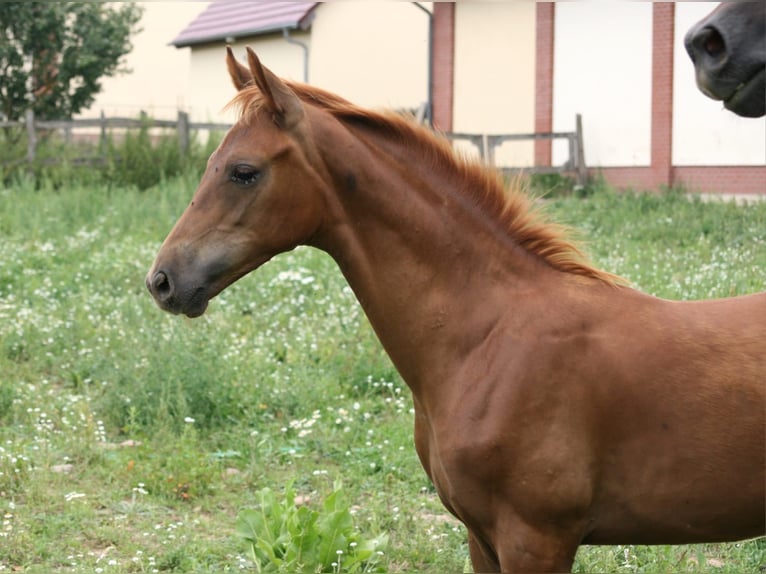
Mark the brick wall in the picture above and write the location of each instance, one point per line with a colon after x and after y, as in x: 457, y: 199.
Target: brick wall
x: 726, y: 179
x: 443, y: 64
x: 663, y: 15
x: 544, y: 80
x: 713, y: 179
x: 722, y: 179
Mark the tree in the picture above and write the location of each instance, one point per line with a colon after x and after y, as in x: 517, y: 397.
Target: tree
x: 53, y: 55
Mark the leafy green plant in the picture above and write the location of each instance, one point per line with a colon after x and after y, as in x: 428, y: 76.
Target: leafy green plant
x: 286, y: 537
x: 550, y: 185
x: 71, y: 47
x: 142, y: 157
x: 140, y: 162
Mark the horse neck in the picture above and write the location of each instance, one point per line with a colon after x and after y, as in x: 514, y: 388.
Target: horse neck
x: 428, y: 267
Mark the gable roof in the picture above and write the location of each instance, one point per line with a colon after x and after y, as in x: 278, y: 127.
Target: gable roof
x: 227, y: 19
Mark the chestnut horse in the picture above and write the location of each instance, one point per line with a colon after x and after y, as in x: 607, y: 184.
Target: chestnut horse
x: 554, y: 406
x: 728, y: 48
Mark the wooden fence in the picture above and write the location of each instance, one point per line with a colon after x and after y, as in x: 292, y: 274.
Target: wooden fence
x: 182, y: 126
x: 575, y: 164
x: 485, y: 143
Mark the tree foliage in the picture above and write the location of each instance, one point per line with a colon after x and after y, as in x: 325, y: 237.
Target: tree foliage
x: 53, y: 55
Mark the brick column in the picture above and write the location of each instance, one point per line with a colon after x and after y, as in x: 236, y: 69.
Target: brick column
x: 663, y: 20
x: 443, y: 64
x: 544, y: 79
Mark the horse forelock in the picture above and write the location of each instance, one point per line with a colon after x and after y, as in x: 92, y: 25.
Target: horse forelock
x: 508, y: 203
x: 245, y: 103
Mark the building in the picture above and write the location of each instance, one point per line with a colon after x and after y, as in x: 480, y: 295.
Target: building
x: 622, y: 65
x: 158, y: 77
x: 351, y: 48
x: 499, y: 67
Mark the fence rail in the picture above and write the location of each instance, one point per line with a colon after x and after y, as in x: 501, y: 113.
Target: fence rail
x: 181, y: 125
x: 485, y: 143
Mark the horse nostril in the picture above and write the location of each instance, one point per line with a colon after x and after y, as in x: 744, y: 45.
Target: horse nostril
x: 160, y: 286
x: 710, y: 42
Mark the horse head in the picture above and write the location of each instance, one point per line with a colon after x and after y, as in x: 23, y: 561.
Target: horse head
x: 258, y: 197
x: 728, y: 49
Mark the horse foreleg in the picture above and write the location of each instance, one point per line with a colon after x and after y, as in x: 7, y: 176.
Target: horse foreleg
x: 483, y: 558
x: 525, y: 548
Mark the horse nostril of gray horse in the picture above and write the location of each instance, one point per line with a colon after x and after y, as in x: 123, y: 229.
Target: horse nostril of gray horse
x: 710, y: 43
x: 160, y: 286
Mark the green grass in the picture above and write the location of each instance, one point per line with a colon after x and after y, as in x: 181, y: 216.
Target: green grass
x: 131, y: 440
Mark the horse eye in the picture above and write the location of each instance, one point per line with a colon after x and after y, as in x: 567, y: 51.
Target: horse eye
x: 244, y: 175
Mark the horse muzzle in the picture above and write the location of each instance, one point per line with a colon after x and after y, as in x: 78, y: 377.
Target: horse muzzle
x: 749, y: 98
x: 728, y: 68
x: 190, y: 301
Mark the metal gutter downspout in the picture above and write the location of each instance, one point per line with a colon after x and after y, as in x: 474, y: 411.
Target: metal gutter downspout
x: 290, y: 40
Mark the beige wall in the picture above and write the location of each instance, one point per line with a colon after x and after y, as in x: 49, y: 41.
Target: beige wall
x: 210, y: 87
x: 611, y: 88
x: 372, y: 53
x: 704, y: 132
x: 495, y: 74
x: 158, y: 81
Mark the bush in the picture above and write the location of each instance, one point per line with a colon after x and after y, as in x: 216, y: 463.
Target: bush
x: 139, y: 162
x: 138, y: 159
x: 171, y: 386
x: 552, y: 185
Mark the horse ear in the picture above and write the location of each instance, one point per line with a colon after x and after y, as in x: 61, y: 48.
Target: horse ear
x: 280, y: 100
x: 240, y: 75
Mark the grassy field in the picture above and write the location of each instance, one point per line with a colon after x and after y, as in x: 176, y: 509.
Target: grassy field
x: 133, y: 441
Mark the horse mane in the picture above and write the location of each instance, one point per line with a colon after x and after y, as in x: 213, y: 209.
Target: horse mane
x: 508, y: 204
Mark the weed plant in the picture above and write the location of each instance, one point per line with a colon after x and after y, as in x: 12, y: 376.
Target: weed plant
x: 284, y: 535
x: 139, y: 158
x: 134, y: 441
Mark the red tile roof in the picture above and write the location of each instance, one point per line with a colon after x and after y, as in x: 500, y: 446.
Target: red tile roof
x: 230, y: 19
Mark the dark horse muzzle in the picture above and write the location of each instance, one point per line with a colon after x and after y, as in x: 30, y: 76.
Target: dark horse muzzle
x: 728, y: 49
x: 169, y: 297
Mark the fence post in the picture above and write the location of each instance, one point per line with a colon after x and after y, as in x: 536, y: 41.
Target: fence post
x: 183, y: 131
x: 102, y: 135
x: 582, y: 170
x: 572, y: 143
x: 486, y: 151
x: 29, y: 120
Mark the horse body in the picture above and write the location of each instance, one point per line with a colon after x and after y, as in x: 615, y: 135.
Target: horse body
x: 728, y: 48
x: 553, y: 406
x: 591, y: 430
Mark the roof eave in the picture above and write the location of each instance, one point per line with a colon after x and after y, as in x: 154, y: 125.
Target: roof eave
x: 235, y: 35
x: 303, y: 24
